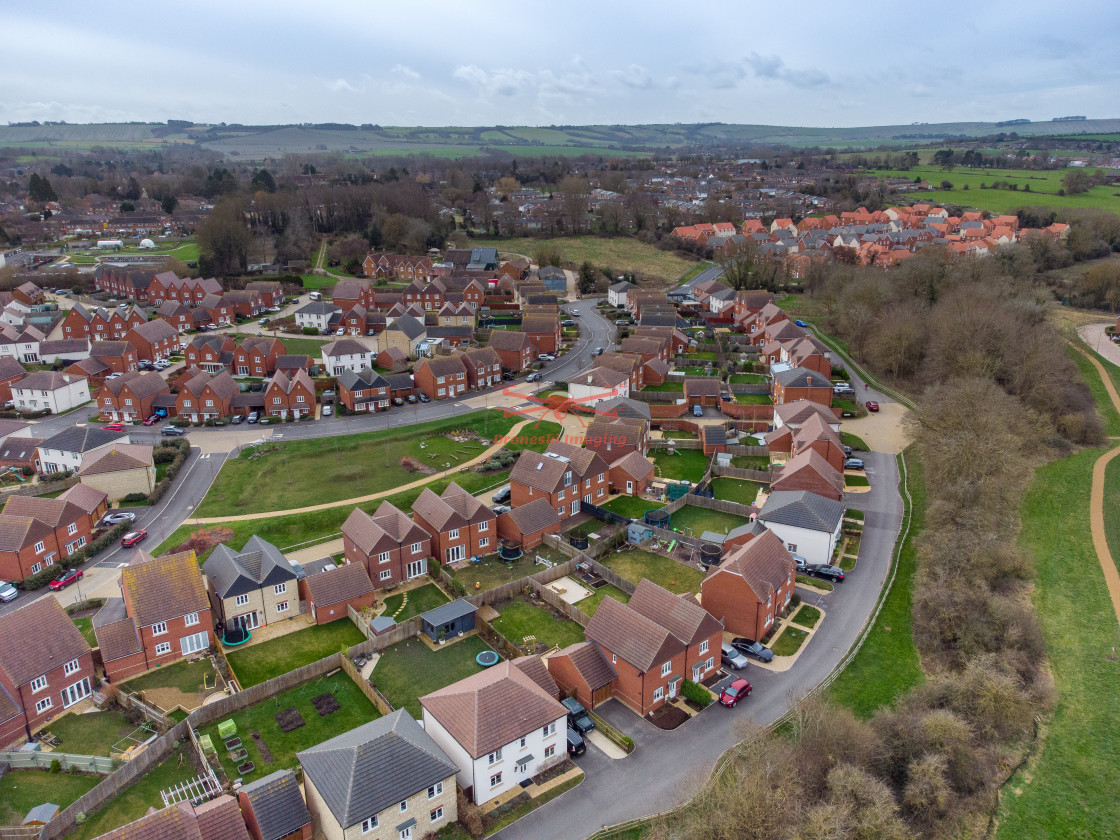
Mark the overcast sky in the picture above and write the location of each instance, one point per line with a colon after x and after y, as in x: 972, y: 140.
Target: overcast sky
x: 428, y: 62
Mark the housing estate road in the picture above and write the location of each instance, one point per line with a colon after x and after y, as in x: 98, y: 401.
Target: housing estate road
x: 666, y: 767
x: 1094, y: 335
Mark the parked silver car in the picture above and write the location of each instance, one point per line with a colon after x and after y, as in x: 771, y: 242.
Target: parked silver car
x: 732, y: 658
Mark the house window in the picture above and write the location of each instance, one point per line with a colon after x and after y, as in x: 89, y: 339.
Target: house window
x: 436, y: 815
x: 241, y: 600
x: 72, y: 529
x: 522, y: 742
x: 484, y: 526
x: 70, y: 667
x: 549, y: 730
x: 36, y: 568
x: 282, y: 607
x: 193, y: 644
x: 163, y: 648
x: 404, y: 806
x: 495, y: 756
x: 709, y: 663
x: 369, y: 825
x: 383, y: 557
x: 792, y: 548
x: 614, y: 659
x: 280, y: 589
x: 186, y: 403
x: 416, y: 547
x: 484, y: 542
x: 387, y: 574
x: 209, y: 403
x: 40, y: 547
x: 550, y: 751
x: 453, y: 534
x: 276, y: 401
x: 658, y: 694
x: 703, y: 647
x: 39, y: 683
x: 666, y: 668
x: 495, y: 780
x: 46, y: 703
x: 159, y: 628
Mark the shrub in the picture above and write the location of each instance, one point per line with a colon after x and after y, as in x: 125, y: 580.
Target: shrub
x: 795, y: 601
x: 696, y: 693
x: 133, y: 499
x: 310, y: 331
x: 56, y: 766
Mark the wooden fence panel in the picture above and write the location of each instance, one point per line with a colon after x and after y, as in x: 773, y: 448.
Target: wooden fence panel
x: 372, y: 694
x: 404, y: 630
x: 98, y: 764
x: 615, y: 580
x: 737, y: 449
x: 742, y: 388
x: 741, y: 473
x: 560, y: 605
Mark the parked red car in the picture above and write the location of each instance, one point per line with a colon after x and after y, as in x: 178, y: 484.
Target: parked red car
x: 132, y: 537
x: 65, y: 579
x: 151, y: 421
x: 114, y: 427
x: 872, y: 405
x: 735, y: 692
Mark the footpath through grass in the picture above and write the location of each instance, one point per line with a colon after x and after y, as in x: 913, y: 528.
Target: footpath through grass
x: 1069, y: 789
x: 420, y: 600
x: 270, y: 659
x: 888, y: 664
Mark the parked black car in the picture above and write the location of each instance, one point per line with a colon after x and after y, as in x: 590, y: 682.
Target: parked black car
x: 576, y: 746
x: 578, y: 718
x: 750, y: 647
x: 833, y: 573
x: 503, y: 496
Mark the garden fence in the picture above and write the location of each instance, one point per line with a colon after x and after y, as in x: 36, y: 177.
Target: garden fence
x: 372, y: 694
x: 560, y: 605
x: 98, y: 764
x: 738, y: 388
x: 736, y: 449
x: 20, y: 832
x: 676, y: 444
x: 763, y: 476
x: 615, y: 580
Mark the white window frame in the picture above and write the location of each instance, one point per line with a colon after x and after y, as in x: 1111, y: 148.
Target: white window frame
x: 71, y: 529
x: 404, y: 806
x: 658, y: 693
x: 387, y: 574
x: 496, y: 779
x: 241, y: 600
x: 435, y: 790
x: 159, y: 628
x: 383, y: 557
x: 194, y: 643
x: 282, y: 606
x: 550, y: 751
x: 163, y: 648
x: 45, y: 704
x: 38, y: 684
x: 190, y: 619
x: 436, y: 815
x: 70, y: 667
x: 369, y: 824
x: 494, y: 757
x: 417, y: 548
x: 453, y: 534
x: 666, y: 668
x: 483, y: 542
x: 703, y: 647
x: 484, y: 525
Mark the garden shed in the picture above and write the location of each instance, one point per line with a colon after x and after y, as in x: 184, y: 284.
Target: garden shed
x: 449, y: 619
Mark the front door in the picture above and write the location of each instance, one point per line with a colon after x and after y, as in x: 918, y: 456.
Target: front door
x: 406, y: 833
x: 630, y: 488
x: 672, y: 689
x: 416, y: 568
x: 455, y: 554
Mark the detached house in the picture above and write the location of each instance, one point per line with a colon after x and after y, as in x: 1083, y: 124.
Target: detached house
x: 751, y: 587
x: 39, y: 681
x: 363, y: 390
x: 153, y: 340
x: 69, y: 449
x: 50, y: 391
x: 206, y: 397
x: 346, y: 354
x: 293, y: 395
x: 801, y: 384
x: 461, y: 526
x: 388, y: 544
x: 484, y: 367
x: 441, y: 377
x: 808, y: 524
x: 543, y: 331
x: 566, y: 475
x: 406, y: 334
x: 699, y: 631
x: 514, y: 349
x: 251, y: 587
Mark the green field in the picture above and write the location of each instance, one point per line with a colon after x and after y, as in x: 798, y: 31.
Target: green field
x: 519, y: 619
x: 277, y: 656
x: 686, y: 465
x: 621, y: 254
x: 666, y: 572
x: 420, y: 600
x: 22, y: 790
x: 354, y: 710
x: 410, y: 669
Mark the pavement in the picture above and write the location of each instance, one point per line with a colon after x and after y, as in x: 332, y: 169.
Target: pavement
x: 1094, y: 336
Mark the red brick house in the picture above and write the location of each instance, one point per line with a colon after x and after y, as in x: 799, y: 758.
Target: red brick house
x: 631, y: 474
x: 35, y: 532
x: 566, y: 475
x: 713, y: 439
x: 392, y: 548
x: 484, y: 367
x: 39, y: 681
x: 271, y: 292
x: 703, y: 391
x: 584, y: 670
x: 613, y: 437
x: 801, y: 384
x: 809, y: 471
x: 101, y: 324
x: 206, y: 397
x: 257, y: 356
x: 817, y: 435
x: 751, y: 587
x: 130, y: 397
x: 218, y: 310
x: 329, y: 593
x: 392, y: 358
x: 461, y: 526
x: 363, y: 390
x: 441, y: 377
x: 167, y: 286
x: 245, y: 303
x: 117, y: 356
x: 211, y: 353
x: 543, y: 331
x: 11, y: 372
x: 528, y: 524
x: 165, y: 603
x: 180, y: 316
x: 153, y: 340
x: 649, y: 660
x: 514, y: 349
x: 295, y: 395
x: 697, y: 629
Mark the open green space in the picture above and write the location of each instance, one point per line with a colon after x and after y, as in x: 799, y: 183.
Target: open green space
x: 753, y: 399
x: 354, y: 710
x: 519, y: 618
x: 852, y: 513
x: 857, y: 444
x: 693, y: 521
x: 85, y: 626
x: 636, y: 564
x: 22, y: 790
x: 420, y: 600
x: 494, y: 571
x: 185, y: 676
x: 410, y: 669
x: 1096, y: 387
x: 807, y: 616
x: 131, y: 804
x: 621, y: 254
x: 888, y: 663
x: 684, y: 465
x: 591, y: 603
x: 277, y: 656
x: 735, y: 490
x: 94, y: 733
x: 318, y: 281
x: 789, y: 641
x: 633, y: 507
x: 304, y: 347
x: 1068, y: 790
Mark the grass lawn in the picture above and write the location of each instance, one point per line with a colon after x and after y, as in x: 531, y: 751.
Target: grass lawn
x: 304, y: 347
x: 1096, y: 387
x: 424, y: 598
x: 591, y: 603
x: 735, y: 490
x: 679, y: 434
x: 621, y: 254
x: 1069, y: 789
x: 270, y: 659
x: 354, y: 710
x: 789, y: 641
x: 888, y: 664
x: 753, y: 399
x: 748, y: 379
x: 686, y: 465
x: 519, y: 619
x: 85, y: 625
x: 701, y: 356
x: 634, y: 507
x: 751, y: 462
x: 134, y: 802
x: 814, y: 583
x: 807, y: 616
x: 493, y: 571
x: 22, y: 790
x: 856, y: 481
x: 92, y: 734
x: 670, y: 386
x: 852, y: 513
x: 666, y: 572
x: 410, y: 669
x: 698, y: 371
x: 857, y: 443
x: 849, y: 407
x: 695, y: 520
x: 302, y: 472
x: 183, y: 675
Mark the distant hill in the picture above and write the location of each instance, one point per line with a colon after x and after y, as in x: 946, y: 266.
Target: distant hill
x: 258, y: 141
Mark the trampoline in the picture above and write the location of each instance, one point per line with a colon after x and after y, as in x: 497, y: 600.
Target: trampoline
x: 487, y: 658
x: 236, y: 635
x: 510, y: 551
x: 710, y: 554
x: 657, y: 518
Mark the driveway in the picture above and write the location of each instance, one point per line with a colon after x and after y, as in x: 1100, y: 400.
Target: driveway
x: 667, y: 766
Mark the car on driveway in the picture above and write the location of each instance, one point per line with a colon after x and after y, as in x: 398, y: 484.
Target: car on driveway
x: 578, y: 718
x: 113, y: 427
x: 503, y: 496
x: 827, y: 572
x: 732, y: 658
x: 254, y: 416
x: 424, y: 398
x: 750, y: 647
x: 172, y: 431
x: 800, y: 323
x: 735, y: 692
x: 237, y: 419
x: 872, y: 405
x: 7, y: 592
x: 398, y: 401
x: 843, y: 389
x: 500, y: 509
x: 151, y: 421
x: 133, y: 537
x: 116, y: 518
x: 853, y: 463
x: 327, y: 411
x: 576, y: 745
x: 65, y: 578
x: 161, y: 364
x: 412, y: 398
